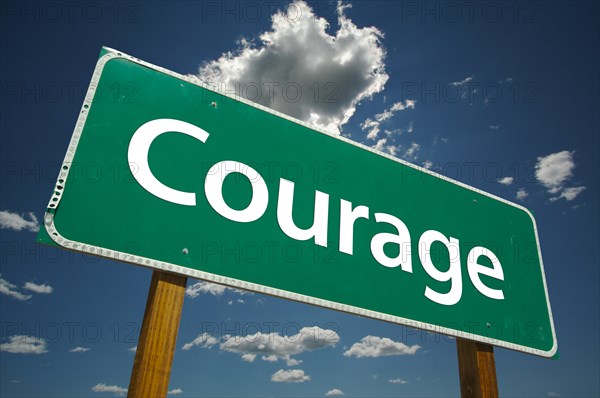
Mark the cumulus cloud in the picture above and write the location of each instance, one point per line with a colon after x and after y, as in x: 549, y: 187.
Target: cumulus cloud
x: 41, y: 289
x: 214, y: 289
x: 290, y: 376
x: 335, y: 392
x: 299, y: 69
x: 204, y: 340
x: 374, y: 347
x: 79, y: 349
x: 175, y: 391
x: 397, y: 381
x: 270, y: 347
x: 101, y: 387
x: 506, y: 180
x: 21, y: 344
x: 18, y: 222
x: 522, y: 194
x: 10, y: 290
x: 554, y: 170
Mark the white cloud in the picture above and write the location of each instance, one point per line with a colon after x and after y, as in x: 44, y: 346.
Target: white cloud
x: 175, y: 391
x: 398, y: 106
x: 381, y: 146
x: 495, y: 127
x: 101, y: 387
x: 506, y: 180
x: 333, y: 71
x: 553, y: 394
x: 397, y: 381
x: 17, y: 222
x: 554, y: 170
x: 569, y: 193
x: 132, y: 349
x: 335, y: 392
x: 290, y: 376
x: 428, y: 164
x: 374, y: 126
x: 204, y: 340
x: 374, y: 347
x: 522, y: 194
x: 248, y: 357
x: 80, y: 349
x: 273, y: 347
x: 21, y: 344
x: 463, y: 81
x: 11, y: 290
x: 41, y: 289
x: 214, y: 289
x: 411, y: 152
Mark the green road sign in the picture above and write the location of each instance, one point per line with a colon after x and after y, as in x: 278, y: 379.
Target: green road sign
x: 164, y: 172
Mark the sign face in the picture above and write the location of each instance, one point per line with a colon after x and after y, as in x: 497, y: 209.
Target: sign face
x: 164, y: 172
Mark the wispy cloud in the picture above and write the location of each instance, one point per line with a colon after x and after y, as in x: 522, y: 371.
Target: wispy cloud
x: 101, y: 387
x: 412, y: 151
x: 214, y: 289
x: 373, y: 127
x: 290, y: 376
x: 463, y: 81
x: 569, y: 193
x: 40, y: 289
x: 397, y: 381
x: 11, y: 290
x: 495, y: 127
x: 79, y: 349
x: 374, y: 347
x: 18, y: 222
x: 21, y: 344
x: 175, y: 391
x: 304, y: 71
x: 335, y: 392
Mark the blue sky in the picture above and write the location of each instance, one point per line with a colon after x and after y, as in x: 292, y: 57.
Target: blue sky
x: 503, y: 96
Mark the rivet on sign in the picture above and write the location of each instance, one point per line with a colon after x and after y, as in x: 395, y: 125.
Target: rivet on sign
x: 213, y: 104
x: 475, y: 201
x: 488, y: 325
x: 185, y: 250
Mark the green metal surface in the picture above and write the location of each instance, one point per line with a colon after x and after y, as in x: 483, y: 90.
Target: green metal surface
x: 103, y: 205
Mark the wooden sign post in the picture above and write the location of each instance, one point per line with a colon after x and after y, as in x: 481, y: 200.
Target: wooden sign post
x: 158, y: 336
x: 477, y: 369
